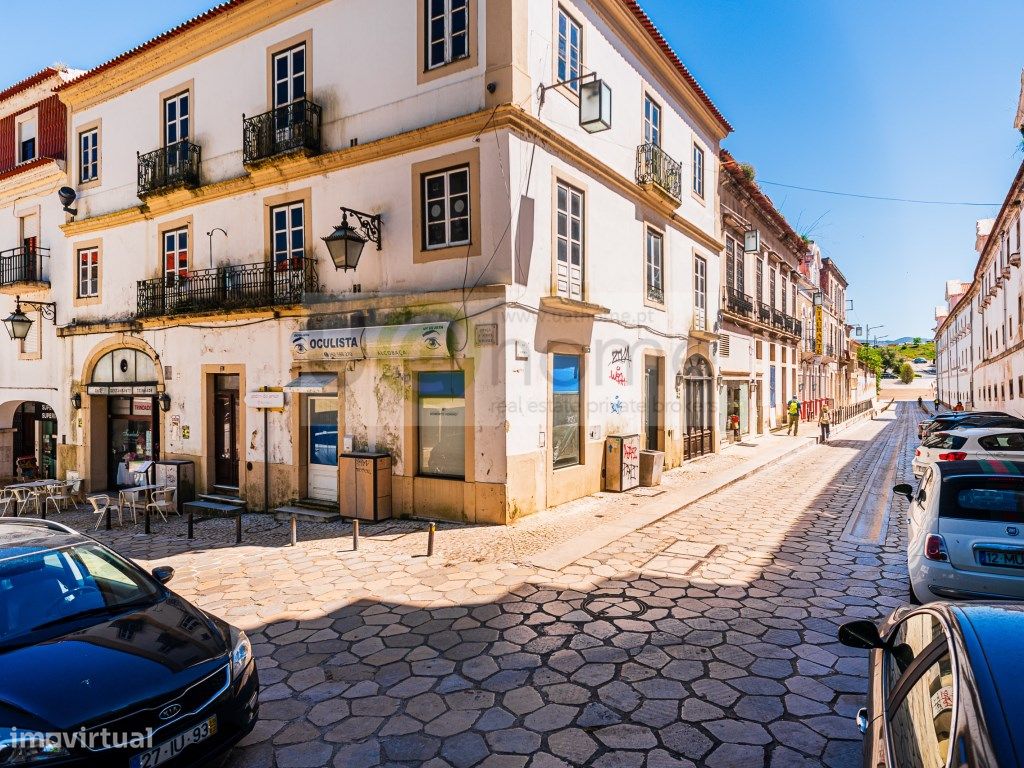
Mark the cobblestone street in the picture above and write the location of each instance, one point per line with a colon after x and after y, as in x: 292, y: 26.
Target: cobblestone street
x: 706, y: 638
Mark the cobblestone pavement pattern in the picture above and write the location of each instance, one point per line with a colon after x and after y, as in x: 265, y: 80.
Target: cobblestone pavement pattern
x: 707, y: 638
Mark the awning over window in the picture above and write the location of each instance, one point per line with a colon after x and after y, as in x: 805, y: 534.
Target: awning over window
x: 313, y: 384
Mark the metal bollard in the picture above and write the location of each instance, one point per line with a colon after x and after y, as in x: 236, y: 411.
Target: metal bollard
x: 238, y: 528
x: 295, y: 535
x: 108, y: 517
x: 191, y: 522
x: 42, y: 515
x: 146, y: 516
x: 430, y: 539
x: 355, y: 535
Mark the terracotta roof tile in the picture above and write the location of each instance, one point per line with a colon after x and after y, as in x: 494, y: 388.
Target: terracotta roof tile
x: 28, y: 82
x: 659, y: 39
x: 733, y: 168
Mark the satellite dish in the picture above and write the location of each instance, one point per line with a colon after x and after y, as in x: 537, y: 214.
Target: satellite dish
x: 67, y: 196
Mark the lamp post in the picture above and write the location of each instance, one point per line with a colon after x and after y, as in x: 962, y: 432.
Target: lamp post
x: 210, y: 236
x: 345, y: 243
x: 18, y: 324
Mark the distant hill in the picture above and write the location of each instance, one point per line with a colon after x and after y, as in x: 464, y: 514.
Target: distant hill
x: 900, y: 340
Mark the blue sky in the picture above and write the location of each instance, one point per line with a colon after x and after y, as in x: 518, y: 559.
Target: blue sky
x: 907, y: 99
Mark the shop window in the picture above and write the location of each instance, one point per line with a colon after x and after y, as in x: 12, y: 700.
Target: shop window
x: 566, y: 410
x: 441, y: 403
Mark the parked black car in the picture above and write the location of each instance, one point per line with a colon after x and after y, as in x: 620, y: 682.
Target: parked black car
x: 944, y: 686
x: 947, y: 421
x: 96, y: 655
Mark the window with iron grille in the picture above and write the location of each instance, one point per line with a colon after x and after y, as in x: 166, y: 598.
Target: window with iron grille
x: 447, y: 31
x: 88, y: 272
x: 655, y: 266
x: 570, y: 46
x: 175, y: 255
x: 446, y: 208
x: 88, y: 155
x: 652, y: 121
x: 734, y: 277
x: 288, y: 230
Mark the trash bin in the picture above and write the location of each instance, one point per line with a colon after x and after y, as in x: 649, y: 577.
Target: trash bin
x: 622, y: 462
x: 651, y: 465
x: 365, y: 485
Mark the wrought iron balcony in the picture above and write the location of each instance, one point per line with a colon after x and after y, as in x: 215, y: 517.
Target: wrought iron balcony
x: 170, y: 167
x: 778, y: 318
x: 656, y: 294
x: 655, y: 168
x: 764, y: 313
x: 291, y: 128
x: 238, y: 286
x: 738, y: 303
x: 22, y: 269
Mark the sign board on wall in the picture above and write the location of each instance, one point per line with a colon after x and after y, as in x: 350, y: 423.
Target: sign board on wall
x: 264, y: 399
x: 142, y: 406
x: 818, y: 332
x: 421, y: 340
x: 116, y: 389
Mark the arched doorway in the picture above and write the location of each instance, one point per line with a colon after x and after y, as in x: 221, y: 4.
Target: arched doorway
x: 697, y: 406
x: 125, y: 416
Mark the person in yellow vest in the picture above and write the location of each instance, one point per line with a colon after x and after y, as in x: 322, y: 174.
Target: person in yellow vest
x: 793, y: 409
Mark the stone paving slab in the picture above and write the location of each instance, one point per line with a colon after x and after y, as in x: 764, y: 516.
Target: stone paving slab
x: 382, y: 657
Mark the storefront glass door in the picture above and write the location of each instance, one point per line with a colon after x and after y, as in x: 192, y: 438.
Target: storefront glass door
x: 322, y: 421
x: 132, y: 437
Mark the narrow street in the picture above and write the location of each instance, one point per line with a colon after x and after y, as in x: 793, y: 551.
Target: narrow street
x: 705, y: 638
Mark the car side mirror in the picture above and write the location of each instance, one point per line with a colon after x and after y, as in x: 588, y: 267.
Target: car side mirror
x: 860, y: 634
x: 904, y: 489
x: 163, y: 573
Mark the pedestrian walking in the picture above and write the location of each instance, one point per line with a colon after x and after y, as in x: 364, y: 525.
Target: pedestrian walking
x: 793, y: 408
x: 959, y: 407
x: 938, y: 403
x: 825, y: 422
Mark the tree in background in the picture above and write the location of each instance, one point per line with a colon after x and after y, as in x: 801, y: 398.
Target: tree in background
x: 890, y: 358
x: 872, y: 358
x: 906, y: 373
x: 917, y: 341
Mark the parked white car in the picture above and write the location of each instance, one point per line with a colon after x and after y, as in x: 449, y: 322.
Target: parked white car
x: 965, y: 538
x: 1002, y: 443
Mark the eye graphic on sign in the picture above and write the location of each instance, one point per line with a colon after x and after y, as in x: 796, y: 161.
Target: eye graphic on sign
x: 431, y: 340
x: 299, y: 344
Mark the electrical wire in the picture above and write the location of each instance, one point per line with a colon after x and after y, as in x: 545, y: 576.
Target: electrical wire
x: 875, y: 197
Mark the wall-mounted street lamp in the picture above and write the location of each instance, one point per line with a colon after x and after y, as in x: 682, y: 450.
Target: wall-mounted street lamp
x: 345, y: 243
x: 165, y: 402
x: 18, y: 324
x: 751, y: 241
x: 210, y: 236
x: 595, y: 101
x: 76, y: 401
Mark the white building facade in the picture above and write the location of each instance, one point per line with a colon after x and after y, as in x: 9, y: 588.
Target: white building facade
x: 528, y: 289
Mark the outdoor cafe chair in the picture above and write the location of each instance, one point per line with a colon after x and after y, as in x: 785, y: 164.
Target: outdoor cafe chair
x: 164, y: 502
x: 75, y: 482
x: 22, y: 498
x: 100, y: 504
x: 60, y: 495
x: 7, y: 500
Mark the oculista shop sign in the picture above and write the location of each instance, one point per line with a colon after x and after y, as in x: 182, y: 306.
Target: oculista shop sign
x: 379, y: 342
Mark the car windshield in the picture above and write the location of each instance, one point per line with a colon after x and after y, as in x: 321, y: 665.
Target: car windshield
x: 997, y: 499
x: 46, y: 589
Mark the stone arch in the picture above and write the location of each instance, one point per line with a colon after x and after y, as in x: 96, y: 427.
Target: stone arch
x: 112, y: 345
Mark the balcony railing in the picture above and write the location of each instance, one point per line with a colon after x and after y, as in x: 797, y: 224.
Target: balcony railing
x: 656, y: 294
x: 655, y: 167
x: 738, y: 302
x: 764, y: 313
x: 291, y: 128
x: 22, y: 265
x: 240, y: 286
x: 176, y: 165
